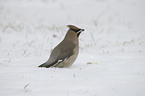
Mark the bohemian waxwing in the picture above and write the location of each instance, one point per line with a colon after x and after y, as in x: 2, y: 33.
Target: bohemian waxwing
x: 66, y: 52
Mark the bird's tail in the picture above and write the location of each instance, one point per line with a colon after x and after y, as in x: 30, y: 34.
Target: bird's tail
x: 45, y: 65
x: 42, y: 65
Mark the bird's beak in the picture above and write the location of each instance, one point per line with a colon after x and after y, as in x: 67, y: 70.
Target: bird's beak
x: 78, y: 33
x: 82, y: 29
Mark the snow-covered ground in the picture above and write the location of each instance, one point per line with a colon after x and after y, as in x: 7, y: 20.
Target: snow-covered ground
x: 111, y: 61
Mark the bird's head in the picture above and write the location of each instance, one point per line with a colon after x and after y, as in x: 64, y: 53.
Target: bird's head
x: 76, y: 29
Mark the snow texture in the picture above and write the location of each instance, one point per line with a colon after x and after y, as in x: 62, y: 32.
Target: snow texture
x: 111, y: 60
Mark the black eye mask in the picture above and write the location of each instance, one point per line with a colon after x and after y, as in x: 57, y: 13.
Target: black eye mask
x: 78, y: 31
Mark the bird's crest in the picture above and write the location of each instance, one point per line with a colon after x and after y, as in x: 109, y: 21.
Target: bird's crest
x: 73, y: 27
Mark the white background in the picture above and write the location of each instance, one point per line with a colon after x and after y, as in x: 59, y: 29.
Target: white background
x: 111, y: 61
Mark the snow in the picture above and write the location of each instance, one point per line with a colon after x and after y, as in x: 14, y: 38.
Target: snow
x: 111, y: 60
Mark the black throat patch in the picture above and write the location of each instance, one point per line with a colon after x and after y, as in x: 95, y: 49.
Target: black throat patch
x: 77, y: 31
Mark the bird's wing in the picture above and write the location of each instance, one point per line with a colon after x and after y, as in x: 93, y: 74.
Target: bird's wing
x: 67, y: 51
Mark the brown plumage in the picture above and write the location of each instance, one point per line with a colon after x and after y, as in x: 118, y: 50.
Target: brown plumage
x: 66, y: 52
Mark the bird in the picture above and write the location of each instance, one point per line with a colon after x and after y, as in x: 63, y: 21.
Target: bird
x: 66, y: 52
